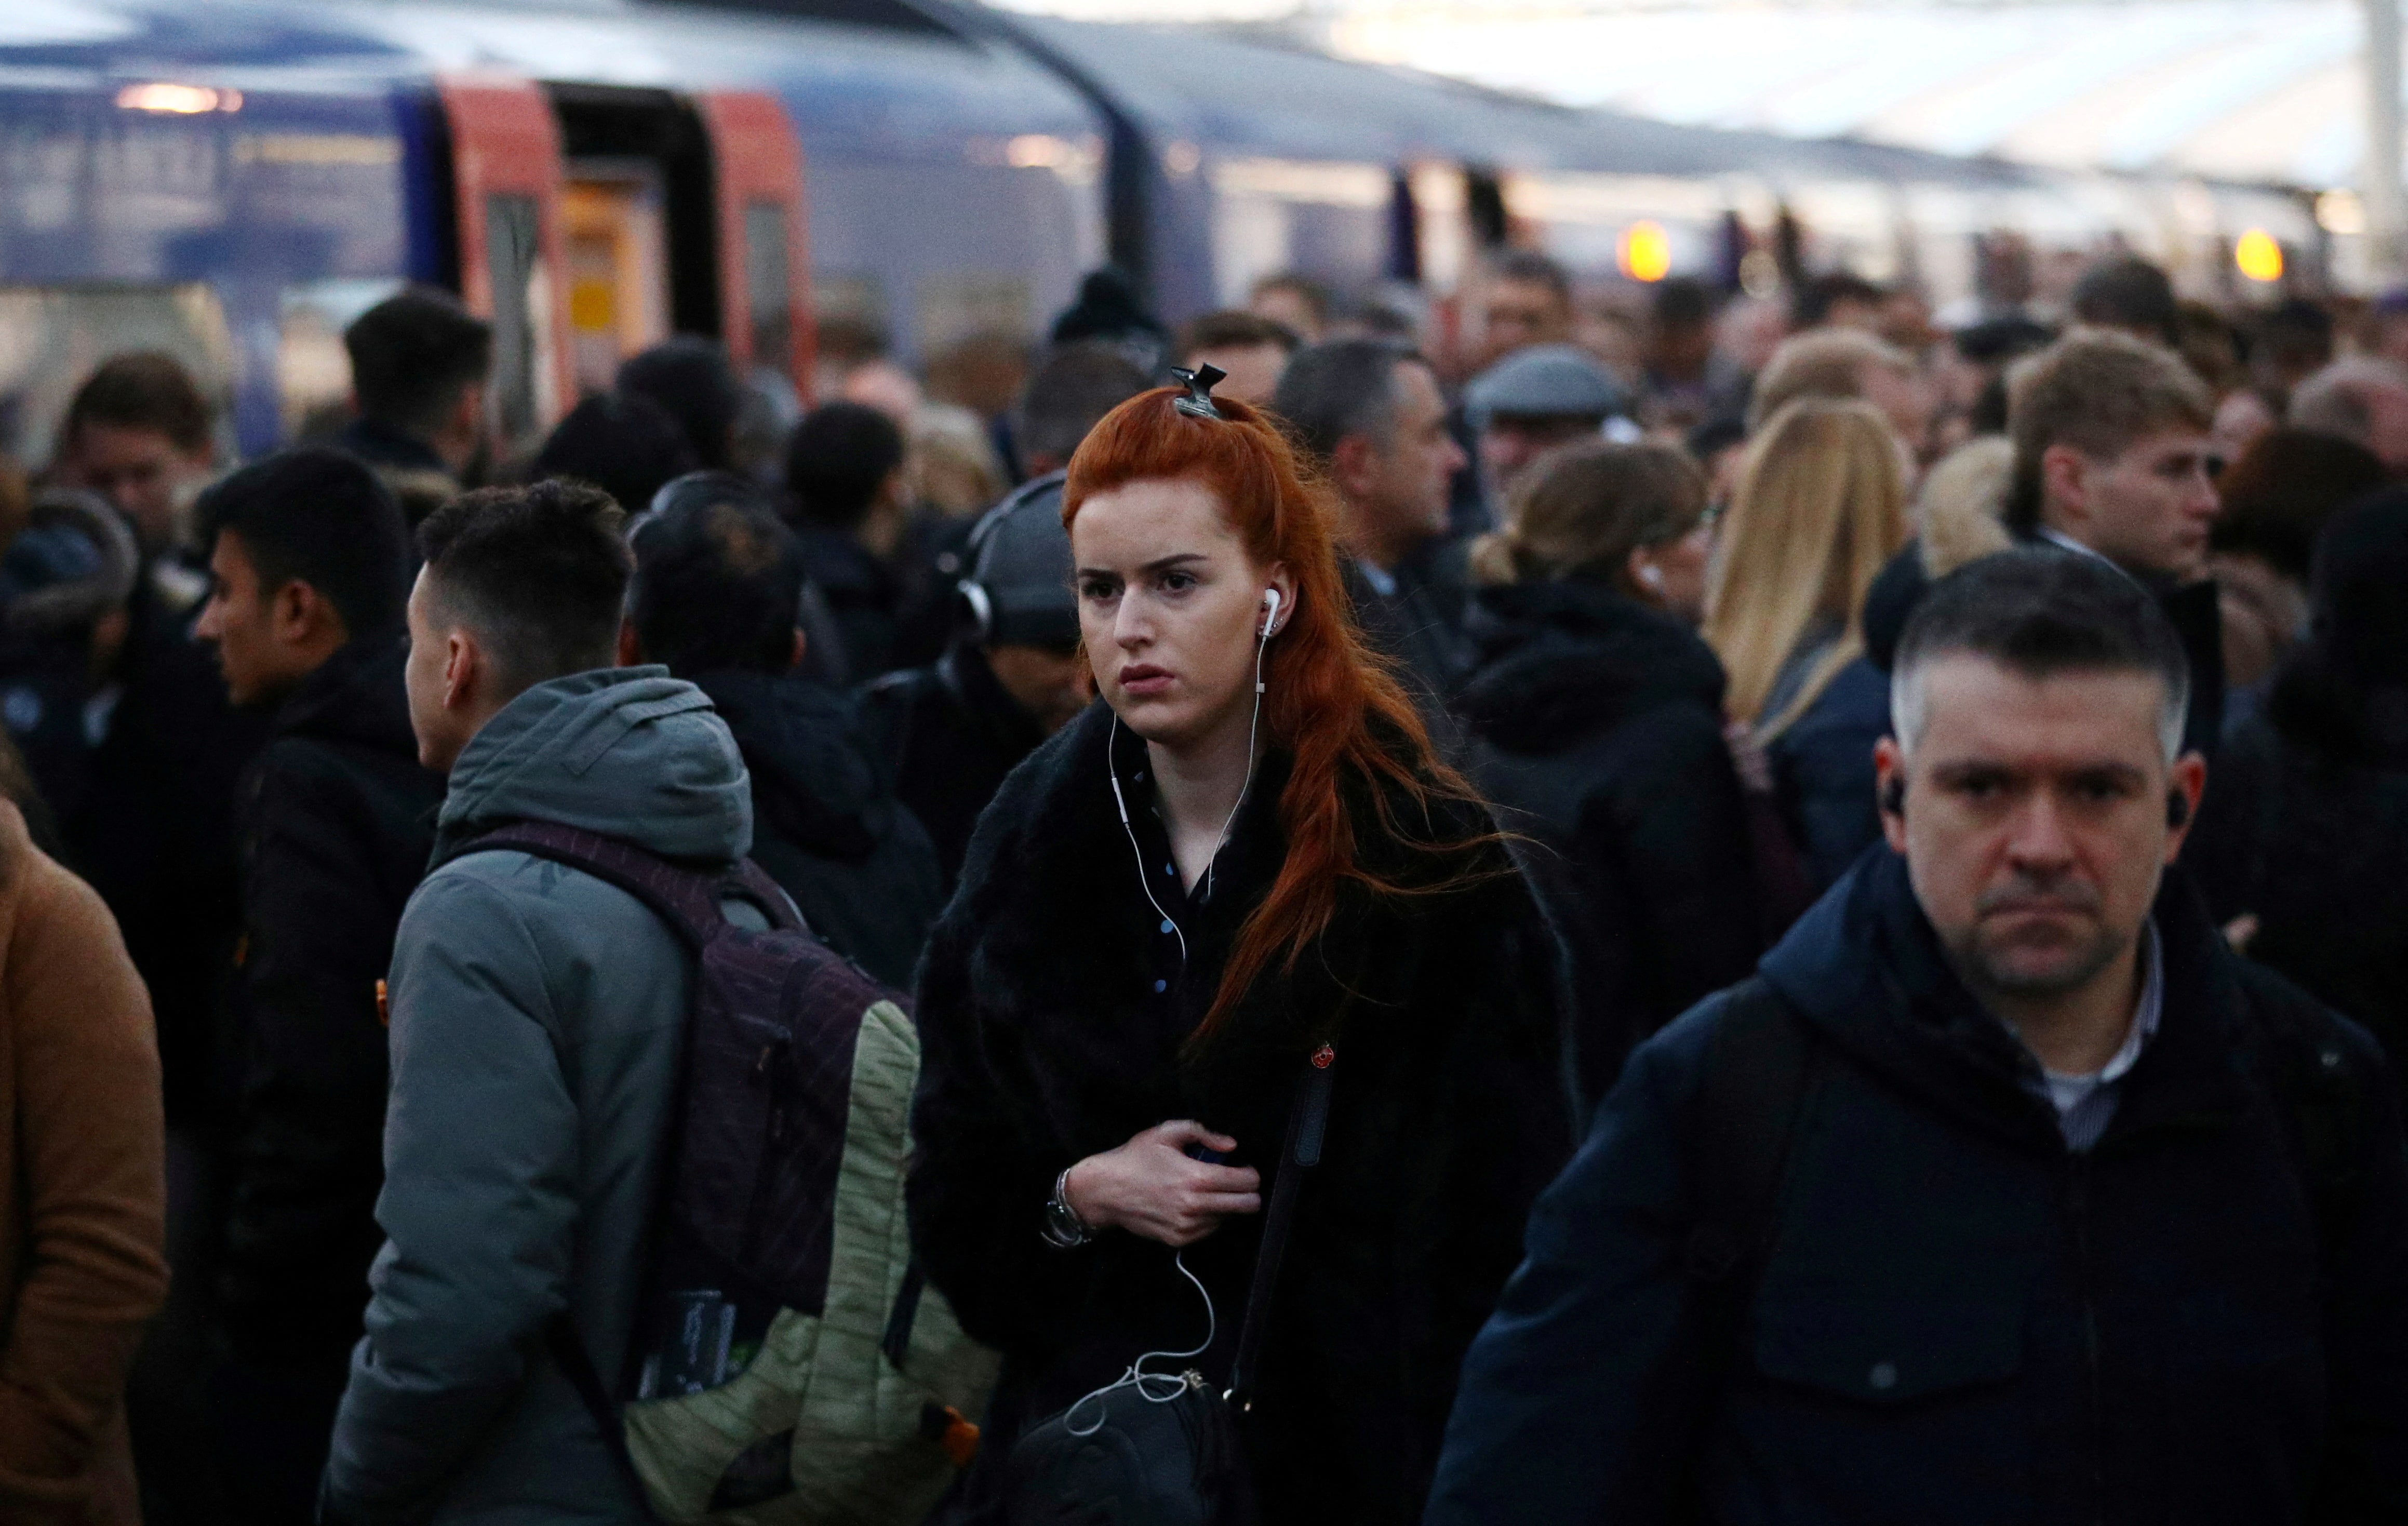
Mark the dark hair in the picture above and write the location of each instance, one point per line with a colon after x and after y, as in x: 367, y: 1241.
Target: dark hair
x: 718, y: 584
x: 1715, y: 436
x: 1683, y: 302
x: 145, y: 390
x: 414, y: 354
x: 2280, y: 490
x: 539, y: 573
x: 1530, y: 268
x: 2126, y: 291
x: 2341, y: 692
x: 1338, y: 388
x: 688, y: 377
x: 837, y: 459
x: 1069, y: 391
x: 1994, y: 341
x: 623, y: 443
x: 1811, y: 307
x: 1234, y: 328
x: 2042, y: 611
x: 320, y: 517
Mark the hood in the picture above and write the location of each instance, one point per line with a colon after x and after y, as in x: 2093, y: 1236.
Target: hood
x: 357, y: 696
x: 1866, y: 970
x: 813, y: 782
x: 1559, y: 660
x: 627, y: 752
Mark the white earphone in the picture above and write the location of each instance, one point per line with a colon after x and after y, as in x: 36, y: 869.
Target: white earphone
x: 1651, y: 575
x: 1271, y: 604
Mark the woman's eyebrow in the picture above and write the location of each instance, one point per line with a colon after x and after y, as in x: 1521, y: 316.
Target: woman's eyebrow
x: 1159, y: 564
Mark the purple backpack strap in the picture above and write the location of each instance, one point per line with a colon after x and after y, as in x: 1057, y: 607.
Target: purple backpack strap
x: 686, y: 897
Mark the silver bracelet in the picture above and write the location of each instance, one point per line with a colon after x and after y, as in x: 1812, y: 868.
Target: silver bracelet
x: 1063, y: 1229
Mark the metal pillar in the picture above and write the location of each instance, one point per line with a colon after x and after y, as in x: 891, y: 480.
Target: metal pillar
x: 2385, y: 221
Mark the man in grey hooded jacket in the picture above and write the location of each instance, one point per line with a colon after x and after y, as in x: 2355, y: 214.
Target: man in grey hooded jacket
x: 535, y: 1013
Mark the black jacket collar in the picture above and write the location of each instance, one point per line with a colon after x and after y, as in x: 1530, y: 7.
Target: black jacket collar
x: 1559, y: 660
x: 358, y: 696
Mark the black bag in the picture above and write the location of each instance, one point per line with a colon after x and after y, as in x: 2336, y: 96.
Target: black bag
x: 1163, y: 1449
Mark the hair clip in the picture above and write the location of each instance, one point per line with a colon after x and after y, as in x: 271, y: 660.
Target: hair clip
x: 1199, y: 384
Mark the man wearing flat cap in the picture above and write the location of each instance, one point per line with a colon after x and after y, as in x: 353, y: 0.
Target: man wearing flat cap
x: 1532, y: 401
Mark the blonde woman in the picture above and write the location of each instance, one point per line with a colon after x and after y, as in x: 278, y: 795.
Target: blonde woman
x: 1820, y: 507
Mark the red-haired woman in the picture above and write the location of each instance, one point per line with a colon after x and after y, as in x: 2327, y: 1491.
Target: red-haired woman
x: 1171, y: 906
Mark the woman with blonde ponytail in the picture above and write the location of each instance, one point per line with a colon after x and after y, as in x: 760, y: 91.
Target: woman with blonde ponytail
x: 1244, y: 862
x: 1819, y: 509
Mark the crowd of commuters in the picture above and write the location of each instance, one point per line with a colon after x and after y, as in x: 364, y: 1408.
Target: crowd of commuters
x: 1842, y: 880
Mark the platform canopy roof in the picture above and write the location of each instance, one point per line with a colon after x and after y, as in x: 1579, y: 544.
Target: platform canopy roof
x: 2240, y: 90
x: 2264, y: 91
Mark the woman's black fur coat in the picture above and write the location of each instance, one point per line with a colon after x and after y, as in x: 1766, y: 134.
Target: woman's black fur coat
x: 1042, y: 1044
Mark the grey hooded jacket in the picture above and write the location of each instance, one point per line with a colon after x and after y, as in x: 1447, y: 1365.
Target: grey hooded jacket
x: 535, y: 1013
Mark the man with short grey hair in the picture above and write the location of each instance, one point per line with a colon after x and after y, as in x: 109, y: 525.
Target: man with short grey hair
x: 2005, y: 1191
x: 1369, y: 414
x: 2363, y: 399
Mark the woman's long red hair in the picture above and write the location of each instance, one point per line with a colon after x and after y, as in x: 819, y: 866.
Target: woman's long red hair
x: 1332, y: 703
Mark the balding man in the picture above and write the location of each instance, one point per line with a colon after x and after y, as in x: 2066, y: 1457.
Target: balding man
x: 2363, y: 399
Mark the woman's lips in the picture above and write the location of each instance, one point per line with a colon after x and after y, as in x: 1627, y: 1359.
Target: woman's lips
x: 1144, y: 680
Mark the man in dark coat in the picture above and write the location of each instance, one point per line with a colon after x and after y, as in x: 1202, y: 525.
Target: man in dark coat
x: 419, y: 364
x: 2306, y: 830
x: 1371, y: 414
x: 308, y: 557
x: 716, y: 599
x: 2112, y: 452
x: 2007, y: 1195
x: 951, y: 731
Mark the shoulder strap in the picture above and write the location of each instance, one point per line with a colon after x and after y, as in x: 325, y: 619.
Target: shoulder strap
x: 1761, y: 1063
x: 687, y: 898
x: 1306, y: 1126
x: 1755, y: 1078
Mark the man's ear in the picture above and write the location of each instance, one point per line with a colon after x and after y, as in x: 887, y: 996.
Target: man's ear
x: 2187, y: 781
x: 802, y: 649
x: 464, y: 667
x: 1353, y: 463
x: 2065, y: 481
x: 631, y: 650
x: 297, y: 614
x: 1889, y: 785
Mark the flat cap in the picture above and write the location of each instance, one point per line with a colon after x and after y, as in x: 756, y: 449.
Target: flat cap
x: 1546, y: 381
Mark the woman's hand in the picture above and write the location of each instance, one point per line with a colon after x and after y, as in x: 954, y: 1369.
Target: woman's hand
x: 1153, y: 1188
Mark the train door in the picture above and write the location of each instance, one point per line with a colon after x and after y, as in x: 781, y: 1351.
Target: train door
x: 505, y: 174
x: 764, y: 261
x: 683, y: 215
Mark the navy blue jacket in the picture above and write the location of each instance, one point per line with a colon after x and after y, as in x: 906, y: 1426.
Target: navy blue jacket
x: 1823, y: 769
x: 1958, y: 1319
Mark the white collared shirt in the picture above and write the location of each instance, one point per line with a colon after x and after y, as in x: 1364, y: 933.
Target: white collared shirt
x: 2086, y: 1104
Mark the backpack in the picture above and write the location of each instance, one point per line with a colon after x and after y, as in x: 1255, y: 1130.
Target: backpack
x: 789, y: 1363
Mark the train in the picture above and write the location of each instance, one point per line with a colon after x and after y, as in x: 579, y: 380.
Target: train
x: 234, y: 182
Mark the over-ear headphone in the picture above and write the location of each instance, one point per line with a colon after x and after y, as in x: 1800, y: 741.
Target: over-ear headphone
x: 1271, y: 608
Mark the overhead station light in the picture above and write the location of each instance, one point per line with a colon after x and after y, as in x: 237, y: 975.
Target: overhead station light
x: 2259, y: 256
x: 1646, y: 253
x: 177, y: 100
